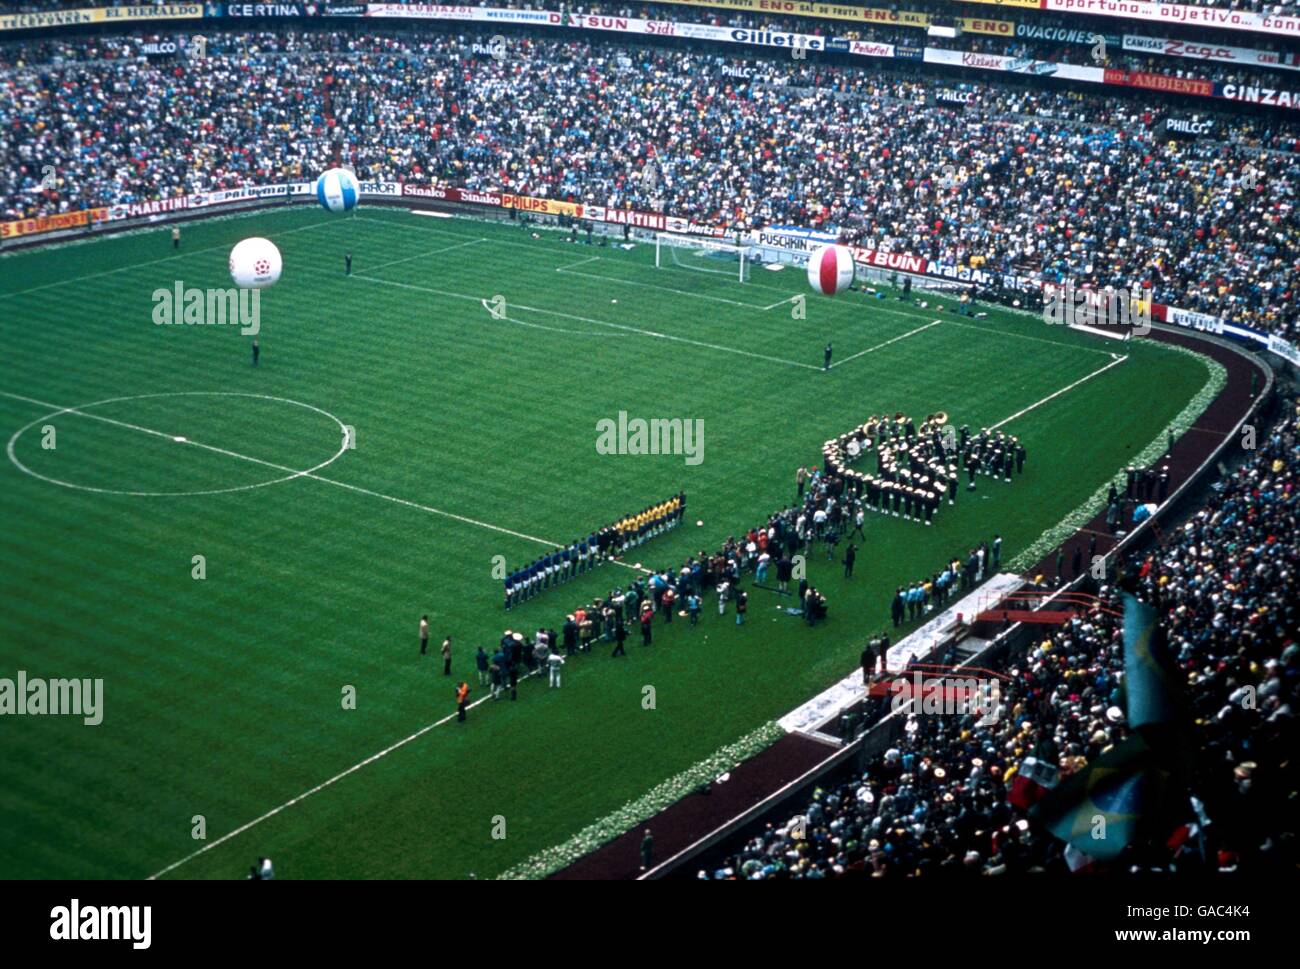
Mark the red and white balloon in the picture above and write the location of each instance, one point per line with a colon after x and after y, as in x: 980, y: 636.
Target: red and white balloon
x: 830, y: 269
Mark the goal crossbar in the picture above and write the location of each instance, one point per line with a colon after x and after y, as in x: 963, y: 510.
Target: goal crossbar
x: 702, y: 255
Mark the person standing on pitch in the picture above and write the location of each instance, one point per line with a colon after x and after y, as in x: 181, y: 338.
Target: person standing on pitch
x: 826, y: 361
x: 446, y: 656
x: 462, y: 698
x: 784, y: 572
x: 554, y: 663
x: 424, y: 635
x: 850, y: 556
x: 257, y: 351
x: 347, y: 264
x: 481, y: 663
x: 742, y: 604
x: 176, y: 237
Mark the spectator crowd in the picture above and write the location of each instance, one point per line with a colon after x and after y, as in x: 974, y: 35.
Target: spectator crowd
x: 1042, y: 182
x: 1283, y: 8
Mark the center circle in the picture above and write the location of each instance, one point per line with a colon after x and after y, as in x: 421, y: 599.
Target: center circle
x: 79, y: 409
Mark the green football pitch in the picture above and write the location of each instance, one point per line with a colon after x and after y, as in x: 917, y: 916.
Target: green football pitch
x: 475, y: 437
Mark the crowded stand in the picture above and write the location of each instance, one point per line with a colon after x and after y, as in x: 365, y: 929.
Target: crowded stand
x: 1254, y: 6
x: 1202, y: 224
x: 946, y: 798
x: 1050, y: 38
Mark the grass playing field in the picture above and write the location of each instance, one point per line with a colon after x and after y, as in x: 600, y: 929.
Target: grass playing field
x: 474, y: 436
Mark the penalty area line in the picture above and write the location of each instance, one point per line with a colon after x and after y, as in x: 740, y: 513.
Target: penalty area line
x: 575, y: 265
x: 587, y: 319
x: 881, y: 346
x: 663, y: 289
x: 1052, y: 396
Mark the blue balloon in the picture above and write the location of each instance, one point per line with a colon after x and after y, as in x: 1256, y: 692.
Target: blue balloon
x: 337, y: 190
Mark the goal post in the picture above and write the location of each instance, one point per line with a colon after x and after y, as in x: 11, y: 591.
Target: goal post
x: 703, y: 255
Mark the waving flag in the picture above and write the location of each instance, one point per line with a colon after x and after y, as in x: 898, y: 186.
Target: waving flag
x: 1099, y: 810
x: 1149, y: 678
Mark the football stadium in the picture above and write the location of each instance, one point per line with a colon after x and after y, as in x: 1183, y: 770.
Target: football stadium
x: 707, y: 440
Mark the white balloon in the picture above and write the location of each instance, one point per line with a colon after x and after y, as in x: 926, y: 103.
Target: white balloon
x: 255, y: 263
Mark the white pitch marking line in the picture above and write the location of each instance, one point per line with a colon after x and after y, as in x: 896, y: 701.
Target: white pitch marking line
x: 587, y: 319
x: 81, y: 411
x: 662, y: 289
x: 152, y: 262
x: 538, y: 326
x: 534, y: 246
x: 881, y: 346
x: 580, y: 262
x: 1100, y: 370
x: 292, y: 471
x: 319, y: 787
x: 420, y: 255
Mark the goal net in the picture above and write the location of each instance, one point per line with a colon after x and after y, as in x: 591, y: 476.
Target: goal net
x: 703, y: 255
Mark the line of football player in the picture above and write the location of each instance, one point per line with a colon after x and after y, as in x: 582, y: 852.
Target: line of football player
x: 582, y: 554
